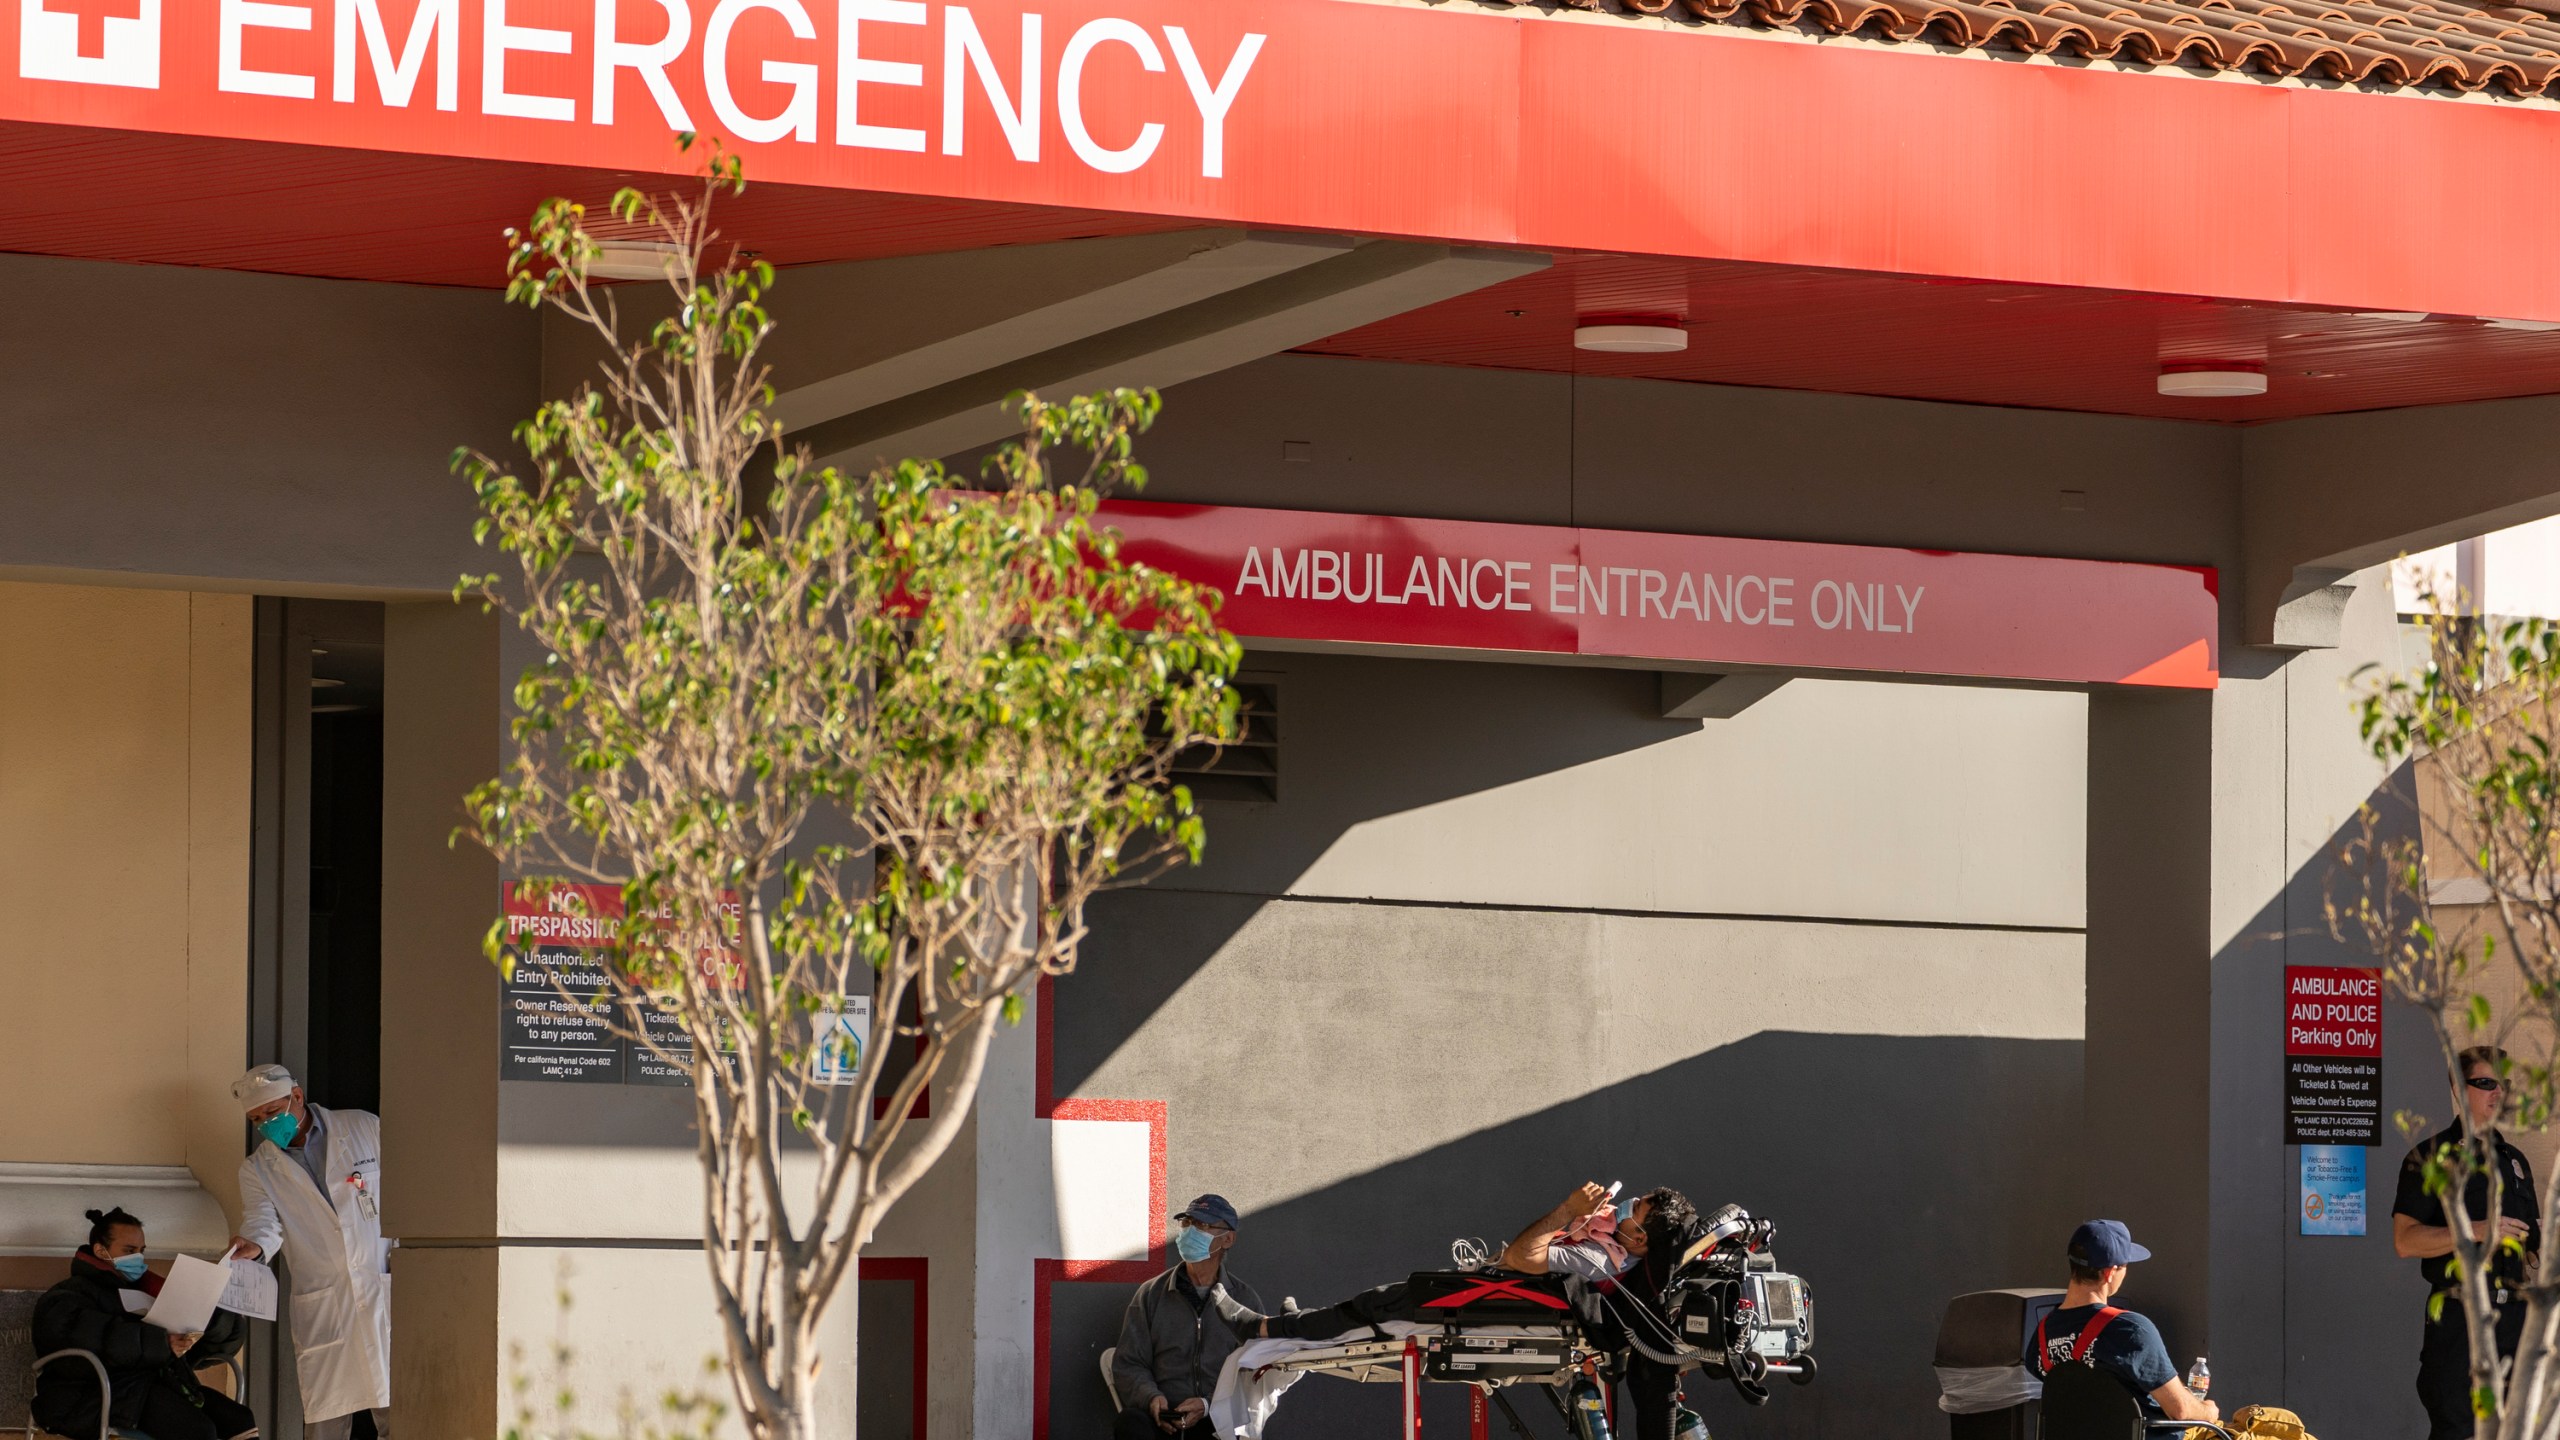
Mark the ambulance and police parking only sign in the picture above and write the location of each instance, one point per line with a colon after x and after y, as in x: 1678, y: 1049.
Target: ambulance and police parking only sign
x: 2332, y: 1055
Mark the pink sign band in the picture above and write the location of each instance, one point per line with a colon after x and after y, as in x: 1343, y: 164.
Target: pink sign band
x: 1381, y: 580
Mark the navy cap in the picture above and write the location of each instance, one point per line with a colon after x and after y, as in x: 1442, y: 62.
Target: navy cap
x: 1210, y: 1210
x: 2102, y: 1243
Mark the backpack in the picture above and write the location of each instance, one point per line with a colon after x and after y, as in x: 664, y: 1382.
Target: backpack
x: 2267, y: 1422
x: 2259, y: 1422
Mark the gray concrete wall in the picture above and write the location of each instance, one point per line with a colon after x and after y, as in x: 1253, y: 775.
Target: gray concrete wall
x: 2347, y: 491
x: 265, y: 432
x: 248, y: 432
x: 1840, y: 1001
x: 1706, y: 459
x: 2349, y: 1311
x: 1462, y: 783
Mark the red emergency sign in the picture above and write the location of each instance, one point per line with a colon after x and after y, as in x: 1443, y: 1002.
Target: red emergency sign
x: 1395, y: 120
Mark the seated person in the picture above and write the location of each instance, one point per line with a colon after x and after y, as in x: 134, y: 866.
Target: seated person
x: 1583, y: 1241
x: 2128, y: 1347
x: 151, y: 1371
x: 1180, y: 1328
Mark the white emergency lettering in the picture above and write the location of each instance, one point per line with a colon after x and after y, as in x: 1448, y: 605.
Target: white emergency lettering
x: 436, y: 28
x: 649, y: 61
x: 797, y: 120
x: 242, y: 15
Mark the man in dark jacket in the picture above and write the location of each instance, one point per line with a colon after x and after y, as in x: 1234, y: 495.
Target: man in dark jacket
x: 1180, y: 1328
x: 151, y: 1371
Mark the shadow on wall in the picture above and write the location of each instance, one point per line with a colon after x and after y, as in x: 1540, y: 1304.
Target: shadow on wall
x: 1486, y: 725
x: 1900, y: 1171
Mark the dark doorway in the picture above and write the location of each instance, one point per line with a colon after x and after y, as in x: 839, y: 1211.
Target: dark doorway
x: 343, y: 1067
x: 346, y: 910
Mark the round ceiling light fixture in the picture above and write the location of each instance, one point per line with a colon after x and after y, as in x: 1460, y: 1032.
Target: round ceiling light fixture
x: 2213, y: 379
x: 1631, y: 334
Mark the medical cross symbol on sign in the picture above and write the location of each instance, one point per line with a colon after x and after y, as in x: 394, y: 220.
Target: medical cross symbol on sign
x: 90, y: 42
x: 91, y: 16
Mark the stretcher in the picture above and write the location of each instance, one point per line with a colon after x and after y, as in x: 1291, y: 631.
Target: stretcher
x: 1483, y: 1358
x: 1728, y: 1311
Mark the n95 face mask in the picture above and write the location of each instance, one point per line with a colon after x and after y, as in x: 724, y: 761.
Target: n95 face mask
x: 280, y: 1128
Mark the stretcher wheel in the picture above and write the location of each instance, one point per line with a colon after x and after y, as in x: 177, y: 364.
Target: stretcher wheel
x: 1806, y: 1370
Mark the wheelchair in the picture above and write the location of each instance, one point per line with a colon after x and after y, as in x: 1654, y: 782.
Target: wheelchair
x: 2080, y: 1403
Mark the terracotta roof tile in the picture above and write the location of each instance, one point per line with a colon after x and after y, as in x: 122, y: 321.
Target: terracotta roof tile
x: 2379, y: 42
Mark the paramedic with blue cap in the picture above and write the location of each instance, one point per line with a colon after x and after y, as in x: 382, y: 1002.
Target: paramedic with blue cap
x: 2118, y: 1343
x: 1180, y: 1328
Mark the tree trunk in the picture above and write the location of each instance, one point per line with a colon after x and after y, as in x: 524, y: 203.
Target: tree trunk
x: 795, y: 1413
x: 849, y: 1364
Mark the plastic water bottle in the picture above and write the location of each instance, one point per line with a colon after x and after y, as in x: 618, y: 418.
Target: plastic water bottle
x: 2200, y: 1377
x: 1687, y: 1424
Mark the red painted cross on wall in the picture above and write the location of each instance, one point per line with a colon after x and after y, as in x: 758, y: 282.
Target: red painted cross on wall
x: 93, y: 16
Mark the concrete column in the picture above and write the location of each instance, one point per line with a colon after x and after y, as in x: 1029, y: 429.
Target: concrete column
x: 2213, y: 828
x: 2349, y: 1311
x: 538, y: 1216
x: 441, y: 735
x: 2148, y: 1059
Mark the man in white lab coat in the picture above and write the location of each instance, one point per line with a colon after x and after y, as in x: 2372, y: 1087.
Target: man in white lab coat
x: 311, y: 1191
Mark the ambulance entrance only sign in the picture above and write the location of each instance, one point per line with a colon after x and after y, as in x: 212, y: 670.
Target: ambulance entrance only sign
x: 2332, y: 1055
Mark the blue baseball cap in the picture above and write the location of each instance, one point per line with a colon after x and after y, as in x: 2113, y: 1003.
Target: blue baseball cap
x: 1210, y: 1210
x: 2099, y: 1244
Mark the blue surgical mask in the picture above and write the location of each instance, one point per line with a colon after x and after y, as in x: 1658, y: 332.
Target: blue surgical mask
x: 1193, y: 1244
x: 131, y: 1266
x: 280, y: 1128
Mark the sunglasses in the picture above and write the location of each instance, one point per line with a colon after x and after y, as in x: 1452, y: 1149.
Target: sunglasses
x: 2484, y: 1082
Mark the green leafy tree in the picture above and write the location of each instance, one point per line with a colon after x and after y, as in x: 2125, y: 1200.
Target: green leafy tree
x: 2457, y: 895
x: 828, y: 734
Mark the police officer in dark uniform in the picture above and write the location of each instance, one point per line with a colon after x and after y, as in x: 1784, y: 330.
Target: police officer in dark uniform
x: 2420, y: 1232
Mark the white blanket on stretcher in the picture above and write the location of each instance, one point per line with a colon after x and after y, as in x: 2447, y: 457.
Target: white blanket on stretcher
x: 1248, y: 1392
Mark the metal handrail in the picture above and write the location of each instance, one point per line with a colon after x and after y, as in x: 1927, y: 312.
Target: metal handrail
x: 2185, y: 1425
x: 106, y: 1391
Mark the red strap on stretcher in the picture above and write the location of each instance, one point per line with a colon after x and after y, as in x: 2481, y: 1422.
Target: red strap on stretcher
x: 2081, y: 1347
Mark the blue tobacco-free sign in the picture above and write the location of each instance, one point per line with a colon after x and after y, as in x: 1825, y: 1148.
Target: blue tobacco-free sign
x: 2332, y: 1189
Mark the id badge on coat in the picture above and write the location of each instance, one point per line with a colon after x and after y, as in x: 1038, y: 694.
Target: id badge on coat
x: 364, y: 1193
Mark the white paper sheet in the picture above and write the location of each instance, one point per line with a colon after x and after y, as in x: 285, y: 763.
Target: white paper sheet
x: 251, y: 1292
x: 188, y: 1296
x: 135, y: 1301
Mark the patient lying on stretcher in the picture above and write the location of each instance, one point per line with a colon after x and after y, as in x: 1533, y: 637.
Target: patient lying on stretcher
x: 1582, y: 1240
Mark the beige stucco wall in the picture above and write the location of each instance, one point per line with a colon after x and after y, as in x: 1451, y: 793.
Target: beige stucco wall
x: 2503, y: 986
x: 124, y: 874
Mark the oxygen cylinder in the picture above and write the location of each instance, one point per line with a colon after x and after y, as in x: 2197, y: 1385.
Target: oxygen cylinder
x: 1589, y: 1409
x: 1688, y: 1424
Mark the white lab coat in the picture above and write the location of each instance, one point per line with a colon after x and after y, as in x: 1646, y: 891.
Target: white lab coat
x: 338, y: 1261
